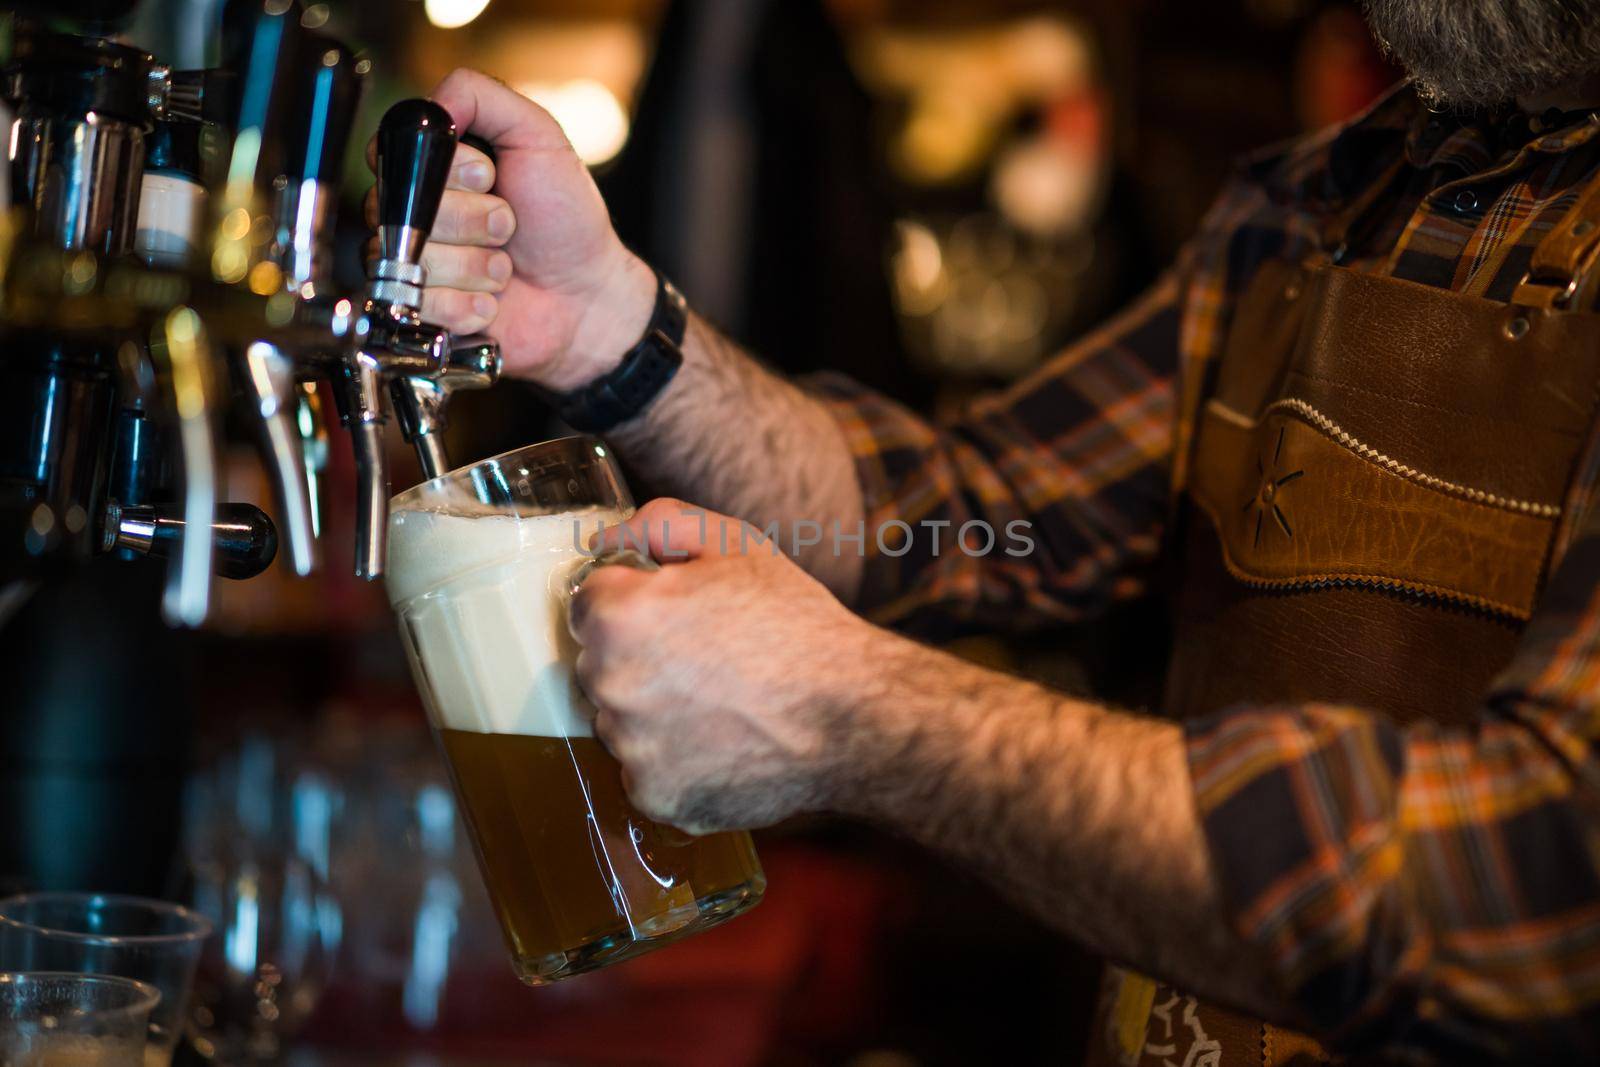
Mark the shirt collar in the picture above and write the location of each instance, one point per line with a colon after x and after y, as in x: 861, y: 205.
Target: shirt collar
x: 1329, y: 170
x: 1473, y: 142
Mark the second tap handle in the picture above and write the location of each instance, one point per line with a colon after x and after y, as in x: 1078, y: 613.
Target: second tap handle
x: 244, y: 541
x: 416, y: 144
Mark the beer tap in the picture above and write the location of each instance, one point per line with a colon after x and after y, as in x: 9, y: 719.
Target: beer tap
x: 416, y: 144
x: 285, y: 71
x: 81, y: 105
x: 85, y: 107
x: 244, y: 540
x: 331, y: 79
x: 420, y: 403
x: 125, y: 362
x: 272, y: 392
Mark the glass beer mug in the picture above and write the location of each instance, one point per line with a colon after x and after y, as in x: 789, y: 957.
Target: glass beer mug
x: 482, y: 565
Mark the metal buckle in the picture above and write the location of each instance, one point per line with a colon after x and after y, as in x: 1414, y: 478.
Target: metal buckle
x: 1569, y: 288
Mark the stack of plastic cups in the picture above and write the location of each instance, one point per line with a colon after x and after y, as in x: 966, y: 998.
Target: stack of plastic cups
x: 149, y: 941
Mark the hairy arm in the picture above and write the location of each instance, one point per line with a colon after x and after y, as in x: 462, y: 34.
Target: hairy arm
x: 732, y: 435
x: 1082, y: 814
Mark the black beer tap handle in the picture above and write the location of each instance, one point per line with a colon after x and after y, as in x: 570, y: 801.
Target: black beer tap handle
x: 262, y: 42
x: 332, y: 78
x: 244, y: 540
x: 416, y: 143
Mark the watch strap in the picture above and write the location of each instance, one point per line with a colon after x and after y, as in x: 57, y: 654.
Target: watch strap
x: 645, y: 370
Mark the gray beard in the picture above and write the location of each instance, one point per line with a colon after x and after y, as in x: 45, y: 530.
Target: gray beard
x: 1485, y: 53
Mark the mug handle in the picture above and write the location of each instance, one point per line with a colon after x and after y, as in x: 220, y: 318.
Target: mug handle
x: 617, y: 557
x: 669, y: 836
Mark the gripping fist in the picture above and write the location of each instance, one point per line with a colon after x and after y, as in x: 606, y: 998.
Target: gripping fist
x: 523, y: 249
x: 720, y: 680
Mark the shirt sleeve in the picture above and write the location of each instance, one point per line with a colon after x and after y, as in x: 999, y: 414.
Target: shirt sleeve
x: 1041, y: 504
x: 1427, y: 890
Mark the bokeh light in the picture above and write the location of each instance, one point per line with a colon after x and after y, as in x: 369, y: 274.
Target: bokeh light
x: 590, y: 114
x: 449, y: 14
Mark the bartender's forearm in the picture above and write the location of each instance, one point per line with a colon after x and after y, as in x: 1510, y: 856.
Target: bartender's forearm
x: 1082, y: 814
x: 733, y: 436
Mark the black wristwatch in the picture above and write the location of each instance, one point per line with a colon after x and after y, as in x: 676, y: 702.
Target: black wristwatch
x: 646, y: 369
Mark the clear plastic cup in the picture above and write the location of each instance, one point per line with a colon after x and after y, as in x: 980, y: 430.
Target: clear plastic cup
x: 150, y: 941
x: 58, y: 1019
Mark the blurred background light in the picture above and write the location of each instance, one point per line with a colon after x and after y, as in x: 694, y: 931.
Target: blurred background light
x: 590, y: 114
x: 449, y: 14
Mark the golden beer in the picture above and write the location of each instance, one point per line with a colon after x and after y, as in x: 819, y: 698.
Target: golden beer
x: 570, y: 865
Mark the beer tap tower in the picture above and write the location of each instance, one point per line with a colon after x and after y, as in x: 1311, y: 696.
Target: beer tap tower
x: 128, y: 329
x: 166, y: 261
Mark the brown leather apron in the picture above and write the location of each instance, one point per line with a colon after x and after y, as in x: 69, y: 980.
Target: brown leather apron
x: 1370, y: 506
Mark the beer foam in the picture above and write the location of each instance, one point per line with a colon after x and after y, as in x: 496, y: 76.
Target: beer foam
x: 483, y: 610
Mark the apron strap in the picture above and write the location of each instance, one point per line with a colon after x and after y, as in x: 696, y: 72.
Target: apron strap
x: 1565, y: 258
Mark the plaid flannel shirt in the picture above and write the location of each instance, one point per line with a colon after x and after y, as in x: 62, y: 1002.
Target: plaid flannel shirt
x: 1431, y: 891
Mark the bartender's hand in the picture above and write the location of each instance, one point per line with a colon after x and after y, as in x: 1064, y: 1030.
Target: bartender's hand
x: 721, y: 679
x: 526, y: 252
